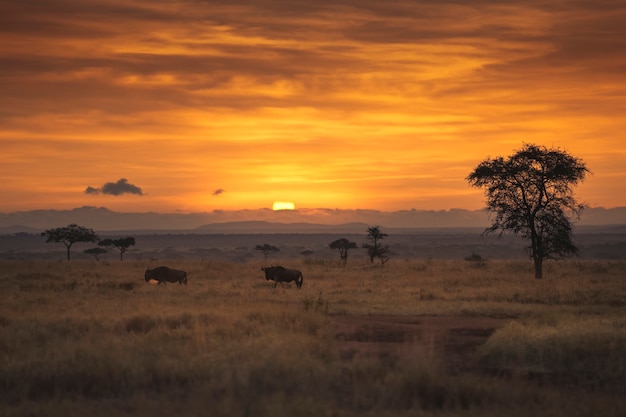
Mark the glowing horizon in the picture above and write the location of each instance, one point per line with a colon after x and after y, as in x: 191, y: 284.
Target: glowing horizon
x: 350, y: 105
x: 283, y: 205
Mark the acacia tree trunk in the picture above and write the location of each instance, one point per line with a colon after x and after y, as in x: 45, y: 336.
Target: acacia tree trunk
x: 536, y: 243
x: 68, y: 251
x: 538, y: 267
x: 343, y: 254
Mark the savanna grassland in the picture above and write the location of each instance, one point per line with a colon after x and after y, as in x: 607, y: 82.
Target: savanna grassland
x: 93, y: 338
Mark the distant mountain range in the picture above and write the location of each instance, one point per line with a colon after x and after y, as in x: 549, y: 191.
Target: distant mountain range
x: 335, y: 221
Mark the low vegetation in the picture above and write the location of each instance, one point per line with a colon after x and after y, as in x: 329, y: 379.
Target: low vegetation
x: 93, y: 338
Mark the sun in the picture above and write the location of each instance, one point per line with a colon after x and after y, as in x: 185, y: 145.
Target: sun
x: 283, y: 205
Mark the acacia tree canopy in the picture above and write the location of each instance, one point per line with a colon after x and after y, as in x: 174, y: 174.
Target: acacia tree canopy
x: 121, y: 244
x: 343, y: 245
x: 96, y: 252
x: 69, y: 235
x: 531, y: 195
x: 266, y: 248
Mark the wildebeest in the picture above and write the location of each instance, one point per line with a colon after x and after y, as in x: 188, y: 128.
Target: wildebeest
x: 282, y: 274
x: 163, y: 274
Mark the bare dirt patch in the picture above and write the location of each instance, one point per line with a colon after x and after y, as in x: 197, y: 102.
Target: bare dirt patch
x: 450, y: 341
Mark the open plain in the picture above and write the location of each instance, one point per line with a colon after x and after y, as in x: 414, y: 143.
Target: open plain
x: 416, y: 336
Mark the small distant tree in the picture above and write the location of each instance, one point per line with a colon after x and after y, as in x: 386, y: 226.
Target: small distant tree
x: 69, y: 235
x: 476, y: 260
x: 120, y: 244
x: 531, y: 193
x: 474, y: 257
x: 342, y: 245
x: 266, y: 248
x: 96, y: 252
x: 375, y: 249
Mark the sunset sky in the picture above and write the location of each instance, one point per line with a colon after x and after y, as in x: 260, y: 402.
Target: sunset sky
x: 180, y: 106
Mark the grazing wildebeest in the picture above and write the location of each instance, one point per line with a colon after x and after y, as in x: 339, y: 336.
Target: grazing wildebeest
x: 163, y: 274
x: 282, y: 274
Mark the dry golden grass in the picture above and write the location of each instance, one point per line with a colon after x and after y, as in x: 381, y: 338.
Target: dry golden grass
x: 94, y: 338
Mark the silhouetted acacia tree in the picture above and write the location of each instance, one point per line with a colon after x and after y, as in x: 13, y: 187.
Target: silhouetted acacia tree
x: 69, y: 235
x: 530, y: 192
x: 96, y: 252
x: 121, y: 244
x: 266, y: 248
x: 375, y: 249
x: 343, y: 245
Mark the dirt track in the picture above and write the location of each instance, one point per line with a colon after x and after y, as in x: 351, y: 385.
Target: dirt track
x: 451, y: 341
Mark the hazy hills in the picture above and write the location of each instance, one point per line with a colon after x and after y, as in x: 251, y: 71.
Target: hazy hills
x: 233, y: 236
x: 335, y: 221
